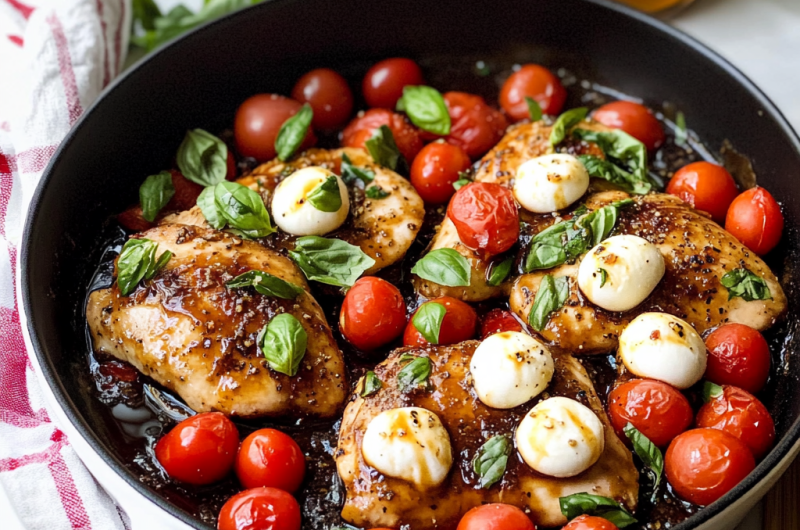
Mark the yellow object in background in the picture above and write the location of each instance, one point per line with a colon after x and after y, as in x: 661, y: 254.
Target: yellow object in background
x: 654, y: 6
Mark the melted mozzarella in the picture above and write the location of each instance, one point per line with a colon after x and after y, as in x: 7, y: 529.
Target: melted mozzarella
x: 510, y: 368
x: 551, y: 182
x: 295, y: 215
x: 664, y: 347
x: 408, y: 443
x: 633, y: 267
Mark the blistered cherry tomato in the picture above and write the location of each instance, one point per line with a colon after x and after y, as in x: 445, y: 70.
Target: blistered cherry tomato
x: 590, y: 522
x: 705, y: 186
x: 373, y: 313
x: 435, y: 169
x: 270, y: 458
x: 260, y: 509
x: 498, y: 321
x: 383, y: 84
x: 361, y: 129
x: 535, y: 82
x: 200, y: 449
x: 134, y: 220
x: 458, y: 324
x: 496, y: 517
x: 702, y: 465
x: 755, y: 219
x: 738, y: 355
x: 741, y: 414
x: 258, y: 121
x: 474, y: 126
x: 656, y: 409
x: 186, y: 192
x: 328, y: 94
x: 634, y: 119
x: 485, y: 216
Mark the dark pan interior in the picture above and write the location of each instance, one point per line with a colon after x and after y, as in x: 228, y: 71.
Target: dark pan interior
x: 200, y: 79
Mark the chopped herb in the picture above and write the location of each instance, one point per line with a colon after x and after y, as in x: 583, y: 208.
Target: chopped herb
x: 745, y: 284
x: 351, y: 173
x: 603, y: 276
x: 371, y: 384
x: 414, y: 374
x: 376, y: 192
x: 491, y: 459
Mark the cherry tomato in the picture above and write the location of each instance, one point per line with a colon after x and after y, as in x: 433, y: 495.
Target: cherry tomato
x: 738, y: 355
x: 498, y: 321
x: 755, y: 219
x: 702, y: 465
x: 496, y: 517
x: 186, y: 192
x: 705, y: 186
x: 740, y: 414
x: 231, y: 162
x: 458, y: 324
x: 373, y: 313
x: 270, y: 458
x: 329, y: 96
x: 535, y: 82
x: 634, y: 119
x: 656, y: 409
x: 361, y: 129
x: 200, y: 449
x: 590, y: 522
x: 474, y: 126
x: 485, y: 216
x: 118, y: 371
x: 258, y: 121
x: 383, y: 84
x: 134, y: 220
x: 260, y: 509
x: 435, y: 169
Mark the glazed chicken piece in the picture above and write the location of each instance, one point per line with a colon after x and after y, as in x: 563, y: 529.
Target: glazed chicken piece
x: 195, y: 336
x: 376, y: 500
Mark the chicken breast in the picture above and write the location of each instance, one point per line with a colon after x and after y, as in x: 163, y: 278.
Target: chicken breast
x: 195, y: 336
x: 376, y: 500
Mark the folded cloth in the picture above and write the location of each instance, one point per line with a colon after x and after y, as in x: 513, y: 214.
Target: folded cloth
x: 55, y: 58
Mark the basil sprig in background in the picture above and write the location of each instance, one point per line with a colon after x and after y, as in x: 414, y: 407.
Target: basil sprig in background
x: 236, y: 206
x: 137, y: 261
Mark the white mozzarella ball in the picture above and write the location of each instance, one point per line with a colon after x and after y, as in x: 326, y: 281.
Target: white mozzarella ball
x: 551, y: 182
x: 664, y: 347
x: 510, y: 368
x: 294, y: 214
x: 633, y: 267
x: 559, y: 437
x: 408, y: 443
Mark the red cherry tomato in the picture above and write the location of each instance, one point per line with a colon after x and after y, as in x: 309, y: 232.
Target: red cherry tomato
x: 458, y: 324
x: 498, y: 321
x: 496, y: 517
x: 186, y: 192
x: 740, y: 414
x: 634, y: 119
x: 373, y: 313
x: 200, y: 449
x: 755, y: 219
x: 590, y: 522
x: 258, y: 121
x: 485, y: 216
x: 383, y: 84
x: 134, y: 220
x: 364, y: 126
x: 260, y: 509
x: 738, y: 355
x: 656, y: 409
x: 535, y: 82
x: 232, y: 170
x: 705, y: 186
x: 329, y: 96
x: 702, y: 465
x: 270, y: 458
x: 474, y: 126
x: 435, y: 169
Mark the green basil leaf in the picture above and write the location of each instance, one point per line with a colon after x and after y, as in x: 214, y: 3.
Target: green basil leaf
x: 745, y: 284
x: 330, y: 261
x: 203, y: 158
x: 376, y: 192
x: 208, y: 206
x: 599, y: 168
x: 162, y: 260
x: 428, y: 320
x: 648, y: 453
x: 603, y: 276
x: 622, y: 149
x: 326, y: 197
x: 491, y: 459
x: 460, y: 183
x: 406, y: 358
x: 155, y: 193
x: 414, y: 374
x: 534, y: 109
x: 351, y: 173
x: 293, y: 132
x: 573, y: 506
x: 681, y: 134
x: 243, y: 209
x: 552, y: 294
x: 565, y: 122
x: 500, y: 272
x: 371, y: 384
x: 426, y: 109
x: 266, y: 284
x: 383, y: 149
x: 283, y: 343
x: 711, y: 391
x: 544, y: 255
x: 145, y: 12
x: 444, y: 266
x: 137, y: 262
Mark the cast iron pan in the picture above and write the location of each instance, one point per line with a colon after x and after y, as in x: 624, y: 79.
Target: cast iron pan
x: 199, y: 80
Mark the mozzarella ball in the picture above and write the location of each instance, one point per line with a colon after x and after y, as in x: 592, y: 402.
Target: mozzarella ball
x: 408, y: 443
x: 295, y: 215
x: 551, y: 182
x: 510, y: 368
x: 664, y: 347
x: 633, y: 267
x: 560, y: 437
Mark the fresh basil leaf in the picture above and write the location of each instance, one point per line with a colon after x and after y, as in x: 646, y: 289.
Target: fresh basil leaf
x: 491, y: 459
x: 330, y: 261
x: 500, y: 272
x: 648, y: 453
x: 601, y: 222
x: 293, y: 132
x: 243, y: 209
x: 326, y: 197
x: 137, y: 261
x: 376, y: 192
x: 383, y: 149
x: 415, y: 374
x: 460, y: 183
x: 573, y: 506
x: 155, y: 193
x: 599, y: 168
x: 406, y: 358
x: 371, y: 384
x: 745, y: 284
x: 162, y: 260
x: 565, y: 122
x: 534, y: 109
x: 428, y: 320
x: 203, y: 158
x: 426, y: 109
x: 444, y: 266
x: 283, y: 343
x: 622, y: 149
x: 208, y: 206
x: 552, y: 294
x: 681, y: 134
x: 266, y: 284
x: 603, y: 276
x: 711, y: 391
x: 351, y: 173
